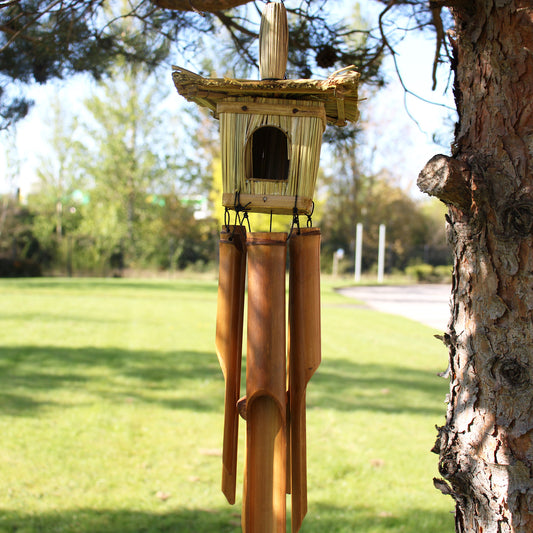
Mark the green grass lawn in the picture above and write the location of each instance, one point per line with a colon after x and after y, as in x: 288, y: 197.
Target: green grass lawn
x: 111, y: 412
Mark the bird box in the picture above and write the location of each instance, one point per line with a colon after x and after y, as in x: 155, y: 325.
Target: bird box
x: 270, y: 152
x: 271, y: 129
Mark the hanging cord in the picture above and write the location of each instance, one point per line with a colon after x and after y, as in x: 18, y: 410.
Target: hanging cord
x: 227, y: 218
x: 271, y: 221
x: 227, y: 223
x: 239, y: 208
x: 310, y: 215
x: 247, y: 219
x: 237, y: 203
x: 295, y: 218
x: 239, y: 220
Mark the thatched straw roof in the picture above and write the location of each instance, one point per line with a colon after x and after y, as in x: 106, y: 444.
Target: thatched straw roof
x: 338, y: 92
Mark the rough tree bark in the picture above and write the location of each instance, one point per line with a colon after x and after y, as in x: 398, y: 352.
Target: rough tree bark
x: 486, y: 445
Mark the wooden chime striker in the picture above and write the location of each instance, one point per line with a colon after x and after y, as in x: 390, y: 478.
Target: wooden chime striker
x: 271, y: 132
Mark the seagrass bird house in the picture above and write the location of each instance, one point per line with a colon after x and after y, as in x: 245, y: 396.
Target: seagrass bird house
x: 271, y: 129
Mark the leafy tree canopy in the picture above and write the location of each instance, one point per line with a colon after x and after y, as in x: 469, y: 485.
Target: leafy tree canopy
x: 41, y: 40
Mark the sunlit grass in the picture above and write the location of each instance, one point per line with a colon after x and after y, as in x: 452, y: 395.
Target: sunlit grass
x: 111, y: 405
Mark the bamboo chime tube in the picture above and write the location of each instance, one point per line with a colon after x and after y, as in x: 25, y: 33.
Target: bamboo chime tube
x: 304, y: 354
x: 266, y: 404
x: 229, y: 326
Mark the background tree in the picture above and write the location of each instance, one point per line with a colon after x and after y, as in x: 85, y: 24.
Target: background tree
x: 21, y: 253
x: 59, y: 176
x: 110, y: 200
x: 352, y: 192
x: 187, y: 241
x: 141, y: 175
x: 125, y: 160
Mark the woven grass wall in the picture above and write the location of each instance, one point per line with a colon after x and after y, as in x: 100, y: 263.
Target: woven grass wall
x: 302, y: 121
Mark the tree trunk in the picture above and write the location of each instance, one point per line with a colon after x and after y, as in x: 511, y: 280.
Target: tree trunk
x: 486, y: 445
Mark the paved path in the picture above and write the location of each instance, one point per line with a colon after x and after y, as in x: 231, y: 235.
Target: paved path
x: 428, y: 304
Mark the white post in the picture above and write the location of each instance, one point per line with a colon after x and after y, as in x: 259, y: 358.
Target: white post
x: 381, y: 253
x: 337, y: 256
x: 358, y: 251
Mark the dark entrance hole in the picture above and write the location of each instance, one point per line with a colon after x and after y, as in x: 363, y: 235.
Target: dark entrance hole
x: 270, y: 159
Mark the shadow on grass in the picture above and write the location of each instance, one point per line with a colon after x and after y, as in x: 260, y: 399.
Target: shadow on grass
x: 227, y: 520
x: 105, y: 284
x: 56, y: 319
x: 333, y: 519
x: 30, y: 377
x: 346, y: 386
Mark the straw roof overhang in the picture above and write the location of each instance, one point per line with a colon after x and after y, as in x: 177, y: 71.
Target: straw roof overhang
x: 338, y: 92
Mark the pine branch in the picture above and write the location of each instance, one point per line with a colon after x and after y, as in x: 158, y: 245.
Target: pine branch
x: 209, y: 6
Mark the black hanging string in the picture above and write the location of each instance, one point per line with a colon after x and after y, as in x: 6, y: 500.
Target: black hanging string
x: 310, y: 215
x: 241, y: 215
x: 245, y: 217
x: 237, y: 203
x: 295, y: 218
x: 238, y: 220
x: 239, y: 208
x: 227, y: 223
x: 227, y: 219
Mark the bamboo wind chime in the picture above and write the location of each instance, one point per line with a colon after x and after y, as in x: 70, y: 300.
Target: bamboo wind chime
x: 271, y: 137
x: 275, y: 418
